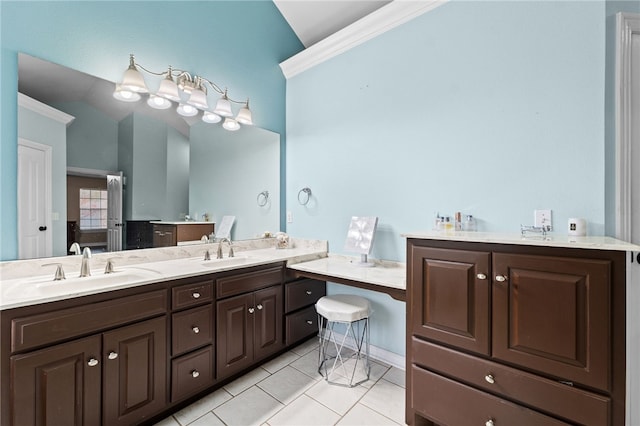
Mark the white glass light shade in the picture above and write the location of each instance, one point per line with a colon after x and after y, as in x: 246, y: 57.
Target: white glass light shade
x: 244, y: 115
x: 169, y: 90
x: 230, y: 124
x: 132, y: 80
x: 187, y: 110
x: 125, y: 95
x: 223, y: 107
x: 198, y: 99
x: 158, y: 102
x: 209, y: 117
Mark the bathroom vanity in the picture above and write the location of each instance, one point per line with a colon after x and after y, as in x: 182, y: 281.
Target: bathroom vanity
x: 167, y: 234
x: 526, y: 331
x: 135, y: 345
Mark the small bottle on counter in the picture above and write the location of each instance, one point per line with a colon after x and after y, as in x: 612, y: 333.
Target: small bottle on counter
x: 469, y: 224
x: 458, y: 221
x: 437, y: 226
x: 447, y: 224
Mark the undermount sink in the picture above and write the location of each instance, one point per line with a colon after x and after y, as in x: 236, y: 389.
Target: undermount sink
x: 123, y: 276
x: 225, y: 261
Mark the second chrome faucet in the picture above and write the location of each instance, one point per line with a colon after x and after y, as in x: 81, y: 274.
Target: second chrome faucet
x: 219, y: 255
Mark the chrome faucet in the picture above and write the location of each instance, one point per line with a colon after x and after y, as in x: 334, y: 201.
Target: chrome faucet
x: 207, y: 255
x: 85, y: 269
x: 219, y: 256
x: 59, y: 271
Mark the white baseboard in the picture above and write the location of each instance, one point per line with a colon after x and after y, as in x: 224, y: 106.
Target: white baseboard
x: 378, y: 354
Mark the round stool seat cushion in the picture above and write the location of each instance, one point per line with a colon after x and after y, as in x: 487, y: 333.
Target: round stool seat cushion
x: 343, y: 307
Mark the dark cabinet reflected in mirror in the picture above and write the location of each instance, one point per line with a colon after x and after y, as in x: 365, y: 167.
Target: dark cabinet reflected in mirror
x: 164, y: 167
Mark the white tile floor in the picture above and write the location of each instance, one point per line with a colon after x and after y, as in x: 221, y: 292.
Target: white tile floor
x: 289, y: 391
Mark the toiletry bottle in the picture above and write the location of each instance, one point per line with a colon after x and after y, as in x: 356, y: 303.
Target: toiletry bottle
x: 469, y: 224
x: 438, y: 223
x: 448, y: 225
x: 458, y: 221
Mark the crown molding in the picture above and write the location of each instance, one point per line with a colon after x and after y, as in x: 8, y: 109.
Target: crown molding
x: 378, y: 22
x: 44, y: 109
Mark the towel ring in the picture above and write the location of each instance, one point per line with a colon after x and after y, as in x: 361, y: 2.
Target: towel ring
x: 305, y: 198
x: 263, y: 198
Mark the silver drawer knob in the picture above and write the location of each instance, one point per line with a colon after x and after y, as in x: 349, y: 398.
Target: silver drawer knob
x: 489, y: 379
x: 481, y: 276
x: 259, y: 307
x: 92, y: 362
x: 112, y: 355
x: 251, y: 310
x: 501, y: 278
x: 309, y: 322
x: 309, y: 292
x: 196, y: 295
x: 489, y: 423
x: 195, y: 373
x: 195, y: 329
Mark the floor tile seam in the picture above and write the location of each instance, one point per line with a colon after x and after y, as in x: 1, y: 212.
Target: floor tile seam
x: 373, y: 408
x: 285, y: 406
x: 366, y: 406
x: 310, y: 385
x: 282, y: 406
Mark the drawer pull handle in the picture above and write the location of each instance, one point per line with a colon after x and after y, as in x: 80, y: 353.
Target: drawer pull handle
x: 490, y: 379
x: 489, y: 423
x: 112, y: 355
x: 196, y: 295
x: 251, y: 310
x: 195, y: 373
x: 309, y: 322
x: 501, y: 278
x: 309, y: 292
x: 195, y: 329
x: 92, y: 362
x: 259, y: 307
x: 481, y: 276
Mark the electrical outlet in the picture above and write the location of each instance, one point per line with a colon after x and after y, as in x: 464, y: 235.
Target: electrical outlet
x: 542, y: 219
x: 289, y: 217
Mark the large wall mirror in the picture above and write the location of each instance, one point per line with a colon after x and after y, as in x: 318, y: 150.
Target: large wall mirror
x: 166, y: 166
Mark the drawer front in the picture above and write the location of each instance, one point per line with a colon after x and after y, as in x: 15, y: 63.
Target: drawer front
x: 194, y: 294
x: 249, y: 281
x: 191, y: 329
x: 447, y: 402
x: 191, y: 373
x: 301, y: 324
x: 547, y: 395
x: 303, y: 293
x: 47, y: 328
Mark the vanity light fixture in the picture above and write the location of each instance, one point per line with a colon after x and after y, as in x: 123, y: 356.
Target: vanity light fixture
x: 189, y: 92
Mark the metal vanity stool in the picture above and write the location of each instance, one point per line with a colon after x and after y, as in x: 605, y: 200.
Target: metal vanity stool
x: 343, y: 322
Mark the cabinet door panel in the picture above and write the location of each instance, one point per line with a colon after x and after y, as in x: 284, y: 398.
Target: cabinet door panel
x: 553, y: 315
x: 234, y: 337
x: 56, y: 386
x: 450, y: 297
x: 268, y: 321
x: 135, y: 381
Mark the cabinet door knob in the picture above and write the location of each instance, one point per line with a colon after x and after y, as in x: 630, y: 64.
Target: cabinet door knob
x: 195, y: 373
x: 92, y: 362
x: 259, y: 307
x: 309, y: 322
x: 251, y: 310
x: 489, y: 379
x: 195, y: 329
x: 196, y: 295
x: 501, y: 278
x: 112, y: 355
x: 481, y: 276
x: 309, y: 292
x: 489, y: 423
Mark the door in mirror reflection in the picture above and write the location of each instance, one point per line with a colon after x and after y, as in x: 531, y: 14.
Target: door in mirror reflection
x: 114, y: 212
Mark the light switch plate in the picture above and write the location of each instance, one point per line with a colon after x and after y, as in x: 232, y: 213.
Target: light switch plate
x: 289, y: 217
x: 542, y: 219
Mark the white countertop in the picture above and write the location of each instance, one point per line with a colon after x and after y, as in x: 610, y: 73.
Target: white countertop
x: 550, y: 240
x: 384, y: 273
x: 32, y: 286
x: 180, y: 222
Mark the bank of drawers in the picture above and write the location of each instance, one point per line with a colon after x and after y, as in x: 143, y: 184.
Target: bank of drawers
x: 301, y: 319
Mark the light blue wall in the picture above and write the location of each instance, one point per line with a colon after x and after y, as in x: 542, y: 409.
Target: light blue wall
x: 236, y: 43
x: 227, y: 172
x: 92, y: 138
x: 490, y: 108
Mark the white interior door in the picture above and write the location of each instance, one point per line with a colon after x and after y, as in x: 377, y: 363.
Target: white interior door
x: 34, y: 200
x: 114, y: 212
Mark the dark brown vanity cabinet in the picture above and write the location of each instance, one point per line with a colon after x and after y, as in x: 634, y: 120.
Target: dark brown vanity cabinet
x: 248, y: 319
x: 116, y: 376
x: 301, y: 318
x: 192, y: 338
x: 515, y: 334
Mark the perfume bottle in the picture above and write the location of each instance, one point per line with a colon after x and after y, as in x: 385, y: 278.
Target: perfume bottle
x: 469, y: 224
